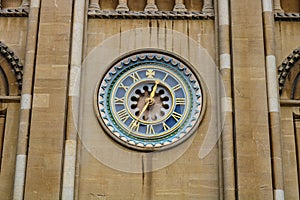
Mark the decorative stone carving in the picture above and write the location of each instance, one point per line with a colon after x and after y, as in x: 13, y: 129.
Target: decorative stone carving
x: 104, y: 14
x: 14, y: 61
x: 285, y: 68
x: 281, y: 16
x: 18, y: 12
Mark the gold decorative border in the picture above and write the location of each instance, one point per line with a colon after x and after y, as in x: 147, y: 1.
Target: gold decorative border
x: 167, y: 145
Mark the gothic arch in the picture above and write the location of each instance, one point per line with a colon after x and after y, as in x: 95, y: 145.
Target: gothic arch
x: 11, y: 70
x: 11, y: 75
x: 289, y: 76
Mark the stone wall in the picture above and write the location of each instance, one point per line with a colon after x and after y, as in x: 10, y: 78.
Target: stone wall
x: 66, y: 47
x: 180, y: 173
x: 13, y: 35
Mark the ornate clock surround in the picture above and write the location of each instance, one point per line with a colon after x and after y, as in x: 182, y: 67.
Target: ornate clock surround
x: 159, y: 108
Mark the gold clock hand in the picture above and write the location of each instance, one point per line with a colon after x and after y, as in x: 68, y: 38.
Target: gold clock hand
x: 144, y: 109
x: 149, y: 100
x: 141, y: 113
x: 154, y: 89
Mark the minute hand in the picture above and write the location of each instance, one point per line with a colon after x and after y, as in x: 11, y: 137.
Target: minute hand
x: 154, y: 89
x: 143, y: 110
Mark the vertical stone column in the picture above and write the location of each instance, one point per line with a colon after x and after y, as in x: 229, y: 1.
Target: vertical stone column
x: 25, y: 4
x: 273, y: 99
x: 208, y: 6
x: 289, y: 138
x: 2, y: 125
x: 297, y: 140
x: 94, y: 5
x: 226, y: 70
x: 122, y: 6
x: 26, y: 100
x: 73, y: 102
x: 49, y: 102
x: 179, y: 6
x: 250, y: 102
x: 151, y: 6
x: 277, y: 6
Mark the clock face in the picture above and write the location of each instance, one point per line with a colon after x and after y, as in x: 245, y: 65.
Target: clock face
x: 149, y: 101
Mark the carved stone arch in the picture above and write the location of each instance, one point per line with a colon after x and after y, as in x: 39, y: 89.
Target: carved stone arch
x: 11, y: 70
x: 11, y: 75
x: 289, y: 76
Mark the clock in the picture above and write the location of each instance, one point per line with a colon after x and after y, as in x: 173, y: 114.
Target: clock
x: 150, y: 100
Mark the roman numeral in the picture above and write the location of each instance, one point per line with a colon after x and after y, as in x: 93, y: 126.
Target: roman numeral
x: 150, y: 129
x: 166, y: 76
x: 135, y: 77
x: 123, y: 86
x: 123, y: 115
x: 166, y: 127
x: 176, y: 87
x: 119, y: 100
x: 180, y: 101
x: 134, y: 125
x: 176, y: 116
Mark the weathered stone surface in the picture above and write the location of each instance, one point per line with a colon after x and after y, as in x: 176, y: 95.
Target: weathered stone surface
x: 106, y: 170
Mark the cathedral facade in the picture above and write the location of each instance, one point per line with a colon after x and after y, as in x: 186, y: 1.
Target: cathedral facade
x: 149, y: 99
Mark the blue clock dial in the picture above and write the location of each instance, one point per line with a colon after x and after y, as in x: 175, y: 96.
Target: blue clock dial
x: 149, y: 101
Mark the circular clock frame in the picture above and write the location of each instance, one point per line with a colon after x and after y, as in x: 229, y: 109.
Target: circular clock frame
x: 150, y: 100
